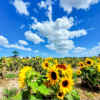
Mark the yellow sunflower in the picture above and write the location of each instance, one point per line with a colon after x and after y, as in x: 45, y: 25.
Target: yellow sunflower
x: 68, y: 71
x: 55, y: 61
x: 60, y: 95
x: 61, y: 66
x: 78, y: 72
x: 45, y: 65
x: 98, y: 67
x: 98, y: 58
x: 48, y: 59
x: 22, y: 76
x: 52, y: 76
x: 81, y: 65
x: 89, y: 62
x: 66, y: 84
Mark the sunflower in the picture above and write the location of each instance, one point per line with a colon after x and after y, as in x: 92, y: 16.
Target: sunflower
x: 61, y: 67
x: 98, y: 58
x: 66, y: 84
x: 68, y: 72
x: 55, y: 61
x: 81, y: 64
x: 60, y: 95
x: 98, y: 67
x: 51, y: 60
x: 53, y: 76
x: 89, y: 62
x: 45, y: 65
x: 48, y: 59
x: 78, y: 72
x: 22, y: 76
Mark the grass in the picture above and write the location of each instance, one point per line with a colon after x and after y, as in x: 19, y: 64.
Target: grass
x: 9, y: 93
x: 10, y: 75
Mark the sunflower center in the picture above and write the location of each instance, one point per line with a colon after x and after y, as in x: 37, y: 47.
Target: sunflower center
x: 60, y: 94
x: 53, y: 75
x: 81, y: 64
x: 88, y: 62
x: 65, y: 83
x: 46, y: 64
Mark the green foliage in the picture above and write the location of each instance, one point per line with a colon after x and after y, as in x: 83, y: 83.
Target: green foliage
x: 15, y: 53
x: 75, y: 76
x: 34, y: 82
x: 44, y: 90
x: 73, y: 95
x: 10, y: 76
x: 9, y: 94
x: 90, y: 76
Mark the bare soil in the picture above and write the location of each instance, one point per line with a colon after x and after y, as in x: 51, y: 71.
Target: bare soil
x: 7, y: 84
x: 85, y: 93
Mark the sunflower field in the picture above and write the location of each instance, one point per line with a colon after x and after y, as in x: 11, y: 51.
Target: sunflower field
x: 50, y: 78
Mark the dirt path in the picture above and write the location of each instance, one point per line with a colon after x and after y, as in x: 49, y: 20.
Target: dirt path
x: 7, y: 84
x: 86, y: 94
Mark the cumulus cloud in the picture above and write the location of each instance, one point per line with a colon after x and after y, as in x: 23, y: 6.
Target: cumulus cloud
x: 42, y: 4
x: 5, y: 43
x: 21, y: 7
x: 33, y: 37
x: 79, y: 50
x: 94, y: 51
x: 58, y: 34
x: 47, y: 5
x: 68, y: 5
x: 16, y: 46
x: 85, y: 52
x: 22, y: 42
x: 3, y: 40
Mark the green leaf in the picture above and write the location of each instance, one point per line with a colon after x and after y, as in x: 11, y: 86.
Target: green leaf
x: 33, y: 98
x: 18, y: 96
x: 44, y: 90
x: 75, y: 95
x: 34, y: 86
x: 69, y: 97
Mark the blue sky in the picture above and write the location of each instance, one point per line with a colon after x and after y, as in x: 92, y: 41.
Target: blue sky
x: 57, y: 28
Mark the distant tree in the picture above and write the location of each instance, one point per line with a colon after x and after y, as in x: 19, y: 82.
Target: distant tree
x: 99, y: 55
x: 15, y: 53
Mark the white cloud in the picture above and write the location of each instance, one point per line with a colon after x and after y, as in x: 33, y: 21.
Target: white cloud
x: 22, y: 42
x: 5, y: 43
x: 79, y: 50
x: 47, y: 5
x: 3, y: 40
x: 21, y: 7
x: 85, y: 52
x: 68, y: 5
x: 36, y: 51
x: 49, y: 13
x: 58, y: 34
x: 94, y: 51
x: 18, y: 47
x: 33, y: 37
x: 42, y: 4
